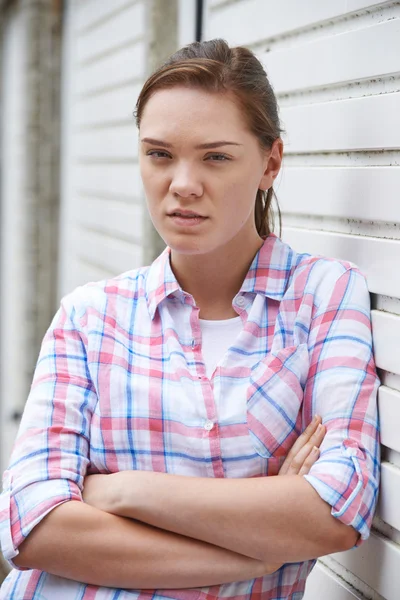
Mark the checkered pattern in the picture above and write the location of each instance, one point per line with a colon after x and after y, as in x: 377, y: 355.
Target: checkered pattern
x: 121, y: 384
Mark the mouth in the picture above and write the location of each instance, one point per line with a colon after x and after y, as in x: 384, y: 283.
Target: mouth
x: 186, y: 220
x: 185, y: 213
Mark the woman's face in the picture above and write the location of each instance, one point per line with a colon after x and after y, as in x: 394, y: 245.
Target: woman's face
x: 197, y: 154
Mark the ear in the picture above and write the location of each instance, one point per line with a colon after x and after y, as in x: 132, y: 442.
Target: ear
x: 273, y: 164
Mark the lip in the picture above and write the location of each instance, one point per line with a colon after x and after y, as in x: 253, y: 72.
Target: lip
x: 185, y: 213
x: 187, y: 222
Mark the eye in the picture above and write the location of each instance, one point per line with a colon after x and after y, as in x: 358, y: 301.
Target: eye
x: 218, y: 157
x: 158, y: 154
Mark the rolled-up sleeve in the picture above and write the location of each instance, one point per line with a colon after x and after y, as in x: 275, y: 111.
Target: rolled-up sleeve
x: 50, y: 455
x: 342, y: 387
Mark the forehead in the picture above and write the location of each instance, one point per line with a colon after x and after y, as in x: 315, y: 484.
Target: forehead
x: 190, y: 111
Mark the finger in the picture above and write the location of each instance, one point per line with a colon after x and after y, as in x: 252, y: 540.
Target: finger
x: 300, y: 443
x: 310, y: 460
x: 306, y: 435
x: 297, y: 461
x: 318, y: 435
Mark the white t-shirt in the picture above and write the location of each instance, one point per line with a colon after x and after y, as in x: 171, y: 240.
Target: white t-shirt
x: 217, y: 337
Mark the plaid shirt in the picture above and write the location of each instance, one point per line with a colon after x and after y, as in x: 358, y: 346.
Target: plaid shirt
x: 121, y: 384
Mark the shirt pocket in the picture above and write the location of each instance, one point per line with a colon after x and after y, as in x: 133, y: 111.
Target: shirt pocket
x: 274, y: 400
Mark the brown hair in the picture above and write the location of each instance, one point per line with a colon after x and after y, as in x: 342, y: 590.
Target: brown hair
x: 215, y: 67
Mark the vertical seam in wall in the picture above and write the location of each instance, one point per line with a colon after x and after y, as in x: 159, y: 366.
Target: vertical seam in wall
x: 199, y: 20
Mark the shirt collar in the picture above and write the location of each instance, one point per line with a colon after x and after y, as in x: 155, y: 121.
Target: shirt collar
x: 268, y: 274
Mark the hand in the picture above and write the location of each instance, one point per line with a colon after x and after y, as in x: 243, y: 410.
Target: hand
x: 305, y: 451
x: 303, y: 454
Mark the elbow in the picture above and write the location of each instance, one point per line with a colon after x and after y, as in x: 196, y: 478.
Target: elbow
x: 344, y: 537
x: 20, y: 562
x: 35, y: 550
x: 349, y: 538
x: 22, y: 559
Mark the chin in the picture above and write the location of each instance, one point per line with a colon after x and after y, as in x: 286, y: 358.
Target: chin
x: 186, y: 244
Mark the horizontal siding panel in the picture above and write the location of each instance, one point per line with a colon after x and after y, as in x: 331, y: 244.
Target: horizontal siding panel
x: 377, y: 563
x: 114, y: 105
x: 356, y: 124
x: 119, y: 180
x: 389, y: 498
x: 107, y: 143
x: 349, y: 56
x: 117, y: 69
x: 91, y: 12
x: 386, y: 328
x: 129, y: 23
x: 389, y: 414
x: 235, y: 23
x: 112, y: 255
x: 377, y: 258
x: 322, y: 578
x: 336, y: 192
x: 86, y: 272
x: 114, y: 218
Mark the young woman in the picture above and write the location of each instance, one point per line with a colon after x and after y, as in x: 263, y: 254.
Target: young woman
x: 167, y: 401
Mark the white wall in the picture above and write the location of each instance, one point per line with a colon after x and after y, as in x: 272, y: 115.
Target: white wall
x: 335, y: 69
x: 104, y: 62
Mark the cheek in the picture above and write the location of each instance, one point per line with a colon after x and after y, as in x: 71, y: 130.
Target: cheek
x: 239, y: 197
x: 154, y: 181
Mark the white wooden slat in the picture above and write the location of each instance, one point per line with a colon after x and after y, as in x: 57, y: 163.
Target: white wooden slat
x: 122, y: 28
x: 251, y: 21
x: 336, y: 192
x: 349, y: 56
x: 107, y: 143
x: 109, y: 254
x: 212, y: 3
x: 378, y: 259
x: 389, y: 497
x: 389, y: 414
x: 186, y: 22
x: 86, y: 272
x: 119, y: 68
x: 386, y: 331
x: 372, y: 122
x: 119, y: 180
x: 82, y: 272
x: 91, y: 12
x: 114, y: 105
x: 377, y: 563
x: 322, y: 578
x: 113, y: 218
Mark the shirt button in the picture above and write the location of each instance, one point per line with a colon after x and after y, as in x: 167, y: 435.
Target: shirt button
x: 208, y: 425
x: 241, y: 301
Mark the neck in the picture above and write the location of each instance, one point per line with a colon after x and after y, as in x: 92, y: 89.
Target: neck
x: 213, y: 279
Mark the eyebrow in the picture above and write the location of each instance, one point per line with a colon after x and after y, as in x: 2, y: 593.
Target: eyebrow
x: 199, y: 147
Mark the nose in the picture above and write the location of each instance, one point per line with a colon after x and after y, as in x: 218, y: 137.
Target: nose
x: 185, y: 182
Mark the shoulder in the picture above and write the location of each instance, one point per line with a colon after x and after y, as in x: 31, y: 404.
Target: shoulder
x: 107, y: 297
x: 319, y: 276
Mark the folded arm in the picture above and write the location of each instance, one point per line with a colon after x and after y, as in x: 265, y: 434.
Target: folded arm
x: 85, y: 544
x: 282, y: 519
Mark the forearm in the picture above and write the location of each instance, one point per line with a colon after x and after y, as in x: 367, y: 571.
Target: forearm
x: 280, y: 519
x: 80, y: 542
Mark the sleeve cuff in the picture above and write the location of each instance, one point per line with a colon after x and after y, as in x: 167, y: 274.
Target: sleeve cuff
x: 345, y: 483
x: 20, y: 512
